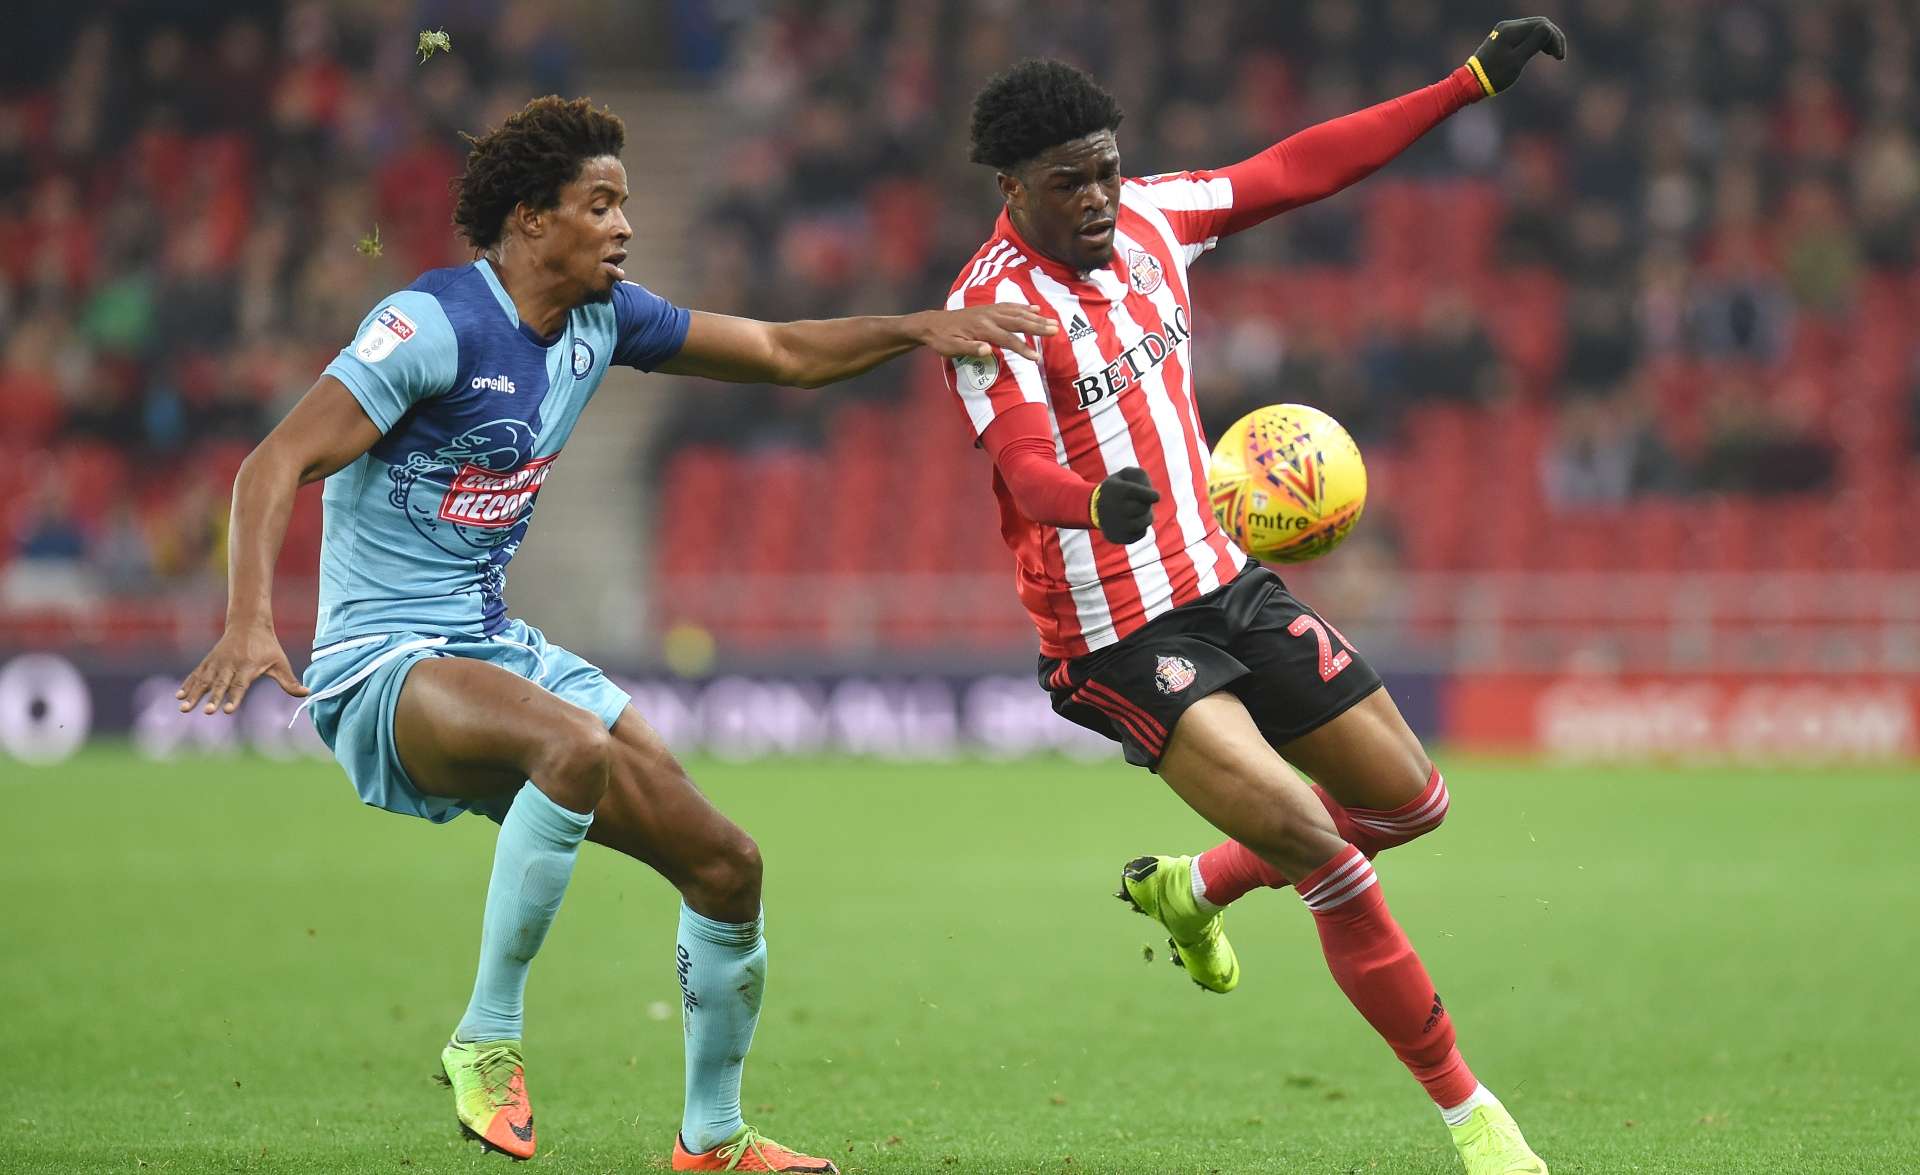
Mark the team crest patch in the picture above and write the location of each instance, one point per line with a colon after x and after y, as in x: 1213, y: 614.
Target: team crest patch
x: 1173, y: 674
x: 1143, y: 271
x: 582, y: 358
x: 388, y: 330
x: 977, y: 371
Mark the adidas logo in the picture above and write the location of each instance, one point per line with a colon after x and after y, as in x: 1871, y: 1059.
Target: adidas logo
x: 1433, y: 1017
x: 1078, y: 329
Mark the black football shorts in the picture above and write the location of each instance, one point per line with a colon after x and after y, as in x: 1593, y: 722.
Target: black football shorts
x: 1292, y: 670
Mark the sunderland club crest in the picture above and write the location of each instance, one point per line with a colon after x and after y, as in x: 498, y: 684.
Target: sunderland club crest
x: 1143, y: 271
x: 1173, y: 674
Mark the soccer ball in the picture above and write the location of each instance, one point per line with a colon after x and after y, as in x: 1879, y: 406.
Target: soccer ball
x: 1287, y: 483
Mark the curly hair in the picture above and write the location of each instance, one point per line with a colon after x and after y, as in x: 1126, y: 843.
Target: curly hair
x: 527, y: 160
x: 1037, y: 104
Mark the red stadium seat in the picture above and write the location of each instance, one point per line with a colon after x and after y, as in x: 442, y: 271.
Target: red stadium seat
x: 1526, y: 317
x: 94, y: 475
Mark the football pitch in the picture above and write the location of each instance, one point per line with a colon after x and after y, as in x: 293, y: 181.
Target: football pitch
x: 229, y: 965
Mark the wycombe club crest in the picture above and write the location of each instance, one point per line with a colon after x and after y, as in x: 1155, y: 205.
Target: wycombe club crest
x: 473, y: 494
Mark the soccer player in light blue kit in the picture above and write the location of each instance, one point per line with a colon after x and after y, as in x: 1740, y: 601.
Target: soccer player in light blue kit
x: 435, y: 430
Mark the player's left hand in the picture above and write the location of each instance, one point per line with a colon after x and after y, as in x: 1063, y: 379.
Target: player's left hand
x: 1510, y: 46
x: 975, y: 330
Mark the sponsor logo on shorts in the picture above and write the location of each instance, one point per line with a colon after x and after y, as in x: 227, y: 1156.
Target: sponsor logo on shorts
x: 1173, y: 674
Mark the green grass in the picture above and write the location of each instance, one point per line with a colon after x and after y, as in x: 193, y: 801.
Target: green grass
x: 229, y: 965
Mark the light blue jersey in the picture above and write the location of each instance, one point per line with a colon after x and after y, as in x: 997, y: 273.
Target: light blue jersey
x: 475, y: 407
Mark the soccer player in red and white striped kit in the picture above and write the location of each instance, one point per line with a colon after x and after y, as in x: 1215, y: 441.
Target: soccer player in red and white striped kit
x: 1155, y: 630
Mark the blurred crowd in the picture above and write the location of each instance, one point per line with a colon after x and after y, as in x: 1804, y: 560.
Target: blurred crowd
x: 197, y: 202
x: 1681, y: 263
x: 1657, y: 268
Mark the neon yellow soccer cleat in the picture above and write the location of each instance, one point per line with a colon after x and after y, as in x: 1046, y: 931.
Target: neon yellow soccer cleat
x: 489, y: 1082
x: 1162, y: 889
x: 1490, y: 1144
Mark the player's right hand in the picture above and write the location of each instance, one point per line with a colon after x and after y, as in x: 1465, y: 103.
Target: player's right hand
x: 1122, y: 506
x: 973, y: 331
x: 235, y: 663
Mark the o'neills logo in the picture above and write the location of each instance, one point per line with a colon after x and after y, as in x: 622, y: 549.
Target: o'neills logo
x: 481, y: 497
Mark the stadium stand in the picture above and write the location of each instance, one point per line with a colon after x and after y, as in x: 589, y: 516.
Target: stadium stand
x: 1655, y: 318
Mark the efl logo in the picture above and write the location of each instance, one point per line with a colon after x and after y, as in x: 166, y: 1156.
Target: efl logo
x: 481, y: 497
x: 977, y: 371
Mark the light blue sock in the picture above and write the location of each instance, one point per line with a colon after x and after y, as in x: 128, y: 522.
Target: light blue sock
x: 723, y: 970
x: 532, y: 864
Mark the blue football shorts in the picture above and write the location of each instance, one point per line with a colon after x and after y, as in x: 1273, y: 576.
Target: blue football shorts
x: 356, y: 684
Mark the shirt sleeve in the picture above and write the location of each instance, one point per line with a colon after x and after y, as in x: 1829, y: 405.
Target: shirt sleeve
x: 648, y: 329
x: 1203, y: 206
x: 1195, y: 203
x: 1021, y: 445
x: 403, y: 353
x: 989, y: 385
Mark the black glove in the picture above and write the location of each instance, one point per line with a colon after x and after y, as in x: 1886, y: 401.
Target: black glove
x: 1505, y: 51
x: 1122, y: 506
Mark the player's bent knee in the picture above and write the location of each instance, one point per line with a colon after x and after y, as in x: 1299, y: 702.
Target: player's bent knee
x: 576, y: 763
x: 729, y: 877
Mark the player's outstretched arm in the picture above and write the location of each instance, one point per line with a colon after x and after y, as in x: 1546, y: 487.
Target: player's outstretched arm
x: 327, y: 429
x: 1328, y: 157
x: 810, y: 354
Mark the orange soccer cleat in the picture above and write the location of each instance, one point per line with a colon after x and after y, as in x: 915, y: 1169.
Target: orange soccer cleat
x: 747, y: 1151
x: 489, y: 1083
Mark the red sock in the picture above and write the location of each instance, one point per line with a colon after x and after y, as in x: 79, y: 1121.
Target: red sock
x: 1376, y: 966
x: 1230, y: 871
x: 1371, y: 830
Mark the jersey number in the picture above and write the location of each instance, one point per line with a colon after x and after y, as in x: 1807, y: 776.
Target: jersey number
x: 1331, y: 663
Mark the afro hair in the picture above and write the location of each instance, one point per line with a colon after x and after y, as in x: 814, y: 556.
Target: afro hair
x: 1037, y: 104
x: 527, y: 160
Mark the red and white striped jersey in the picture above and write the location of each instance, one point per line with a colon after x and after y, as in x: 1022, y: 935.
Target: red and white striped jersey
x: 1117, y: 381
